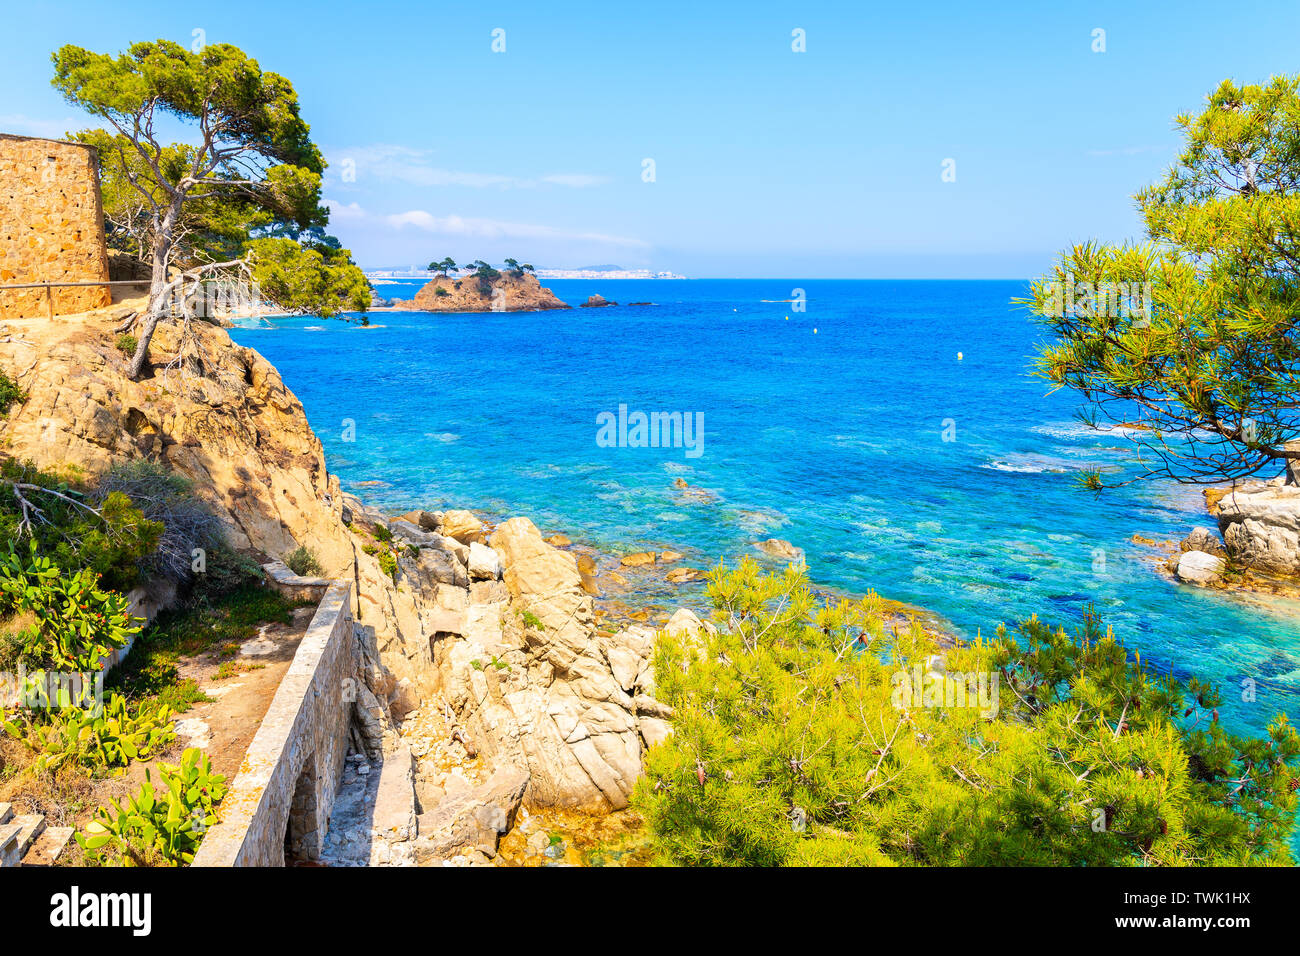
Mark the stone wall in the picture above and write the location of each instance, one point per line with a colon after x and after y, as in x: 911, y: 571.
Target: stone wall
x: 51, y: 226
x: 287, y: 783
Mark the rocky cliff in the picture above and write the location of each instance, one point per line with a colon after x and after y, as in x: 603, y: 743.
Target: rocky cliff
x: 505, y: 293
x: 498, y: 628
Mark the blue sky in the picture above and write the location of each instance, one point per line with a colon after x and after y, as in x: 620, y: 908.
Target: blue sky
x: 767, y: 162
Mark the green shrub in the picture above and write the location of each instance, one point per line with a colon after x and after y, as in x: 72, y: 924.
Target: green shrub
x: 212, y: 620
x: 71, y: 624
x: 94, y: 739
x: 793, y: 743
x: 302, y: 561
x: 163, y: 827
x: 126, y: 343
x: 113, y: 543
x: 163, y: 497
x: 388, y: 563
x: 382, y: 533
x: 10, y: 393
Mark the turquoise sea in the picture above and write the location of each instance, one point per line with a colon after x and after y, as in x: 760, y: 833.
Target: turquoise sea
x: 824, y: 427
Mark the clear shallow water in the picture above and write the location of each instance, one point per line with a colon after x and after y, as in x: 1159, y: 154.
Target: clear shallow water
x: 832, y: 440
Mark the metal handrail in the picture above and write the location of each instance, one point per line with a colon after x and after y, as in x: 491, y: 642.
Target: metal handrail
x: 50, y: 286
x: 46, y: 285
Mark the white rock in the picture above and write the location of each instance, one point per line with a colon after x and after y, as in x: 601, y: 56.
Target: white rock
x: 484, y: 563
x: 1260, y: 524
x: 1197, y: 567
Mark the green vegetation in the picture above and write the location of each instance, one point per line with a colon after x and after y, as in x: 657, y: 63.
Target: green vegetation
x: 796, y: 741
x: 167, y: 500
x: 107, y: 535
x: 216, y: 615
x: 242, y: 198
x: 55, y: 620
x: 445, y: 267
x: 1192, y: 334
x: 126, y: 343
x: 161, y: 827
x: 98, y: 740
x: 302, y: 561
x: 10, y: 393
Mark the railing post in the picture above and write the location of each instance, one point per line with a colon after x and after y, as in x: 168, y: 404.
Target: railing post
x: 49, y: 301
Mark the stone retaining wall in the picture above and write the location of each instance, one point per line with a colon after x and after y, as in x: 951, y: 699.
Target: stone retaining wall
x: 51, y: 226
x: 285, y: 789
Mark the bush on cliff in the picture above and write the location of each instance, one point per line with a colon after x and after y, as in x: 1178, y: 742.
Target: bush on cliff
x: 10, y: 393
x: 811, y: 734
x: 110, y: 536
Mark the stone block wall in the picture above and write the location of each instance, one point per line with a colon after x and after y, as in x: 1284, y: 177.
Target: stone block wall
x: 285, y: 789
x: 51, y: 226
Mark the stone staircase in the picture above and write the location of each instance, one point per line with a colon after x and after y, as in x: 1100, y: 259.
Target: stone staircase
x: 25, y: 840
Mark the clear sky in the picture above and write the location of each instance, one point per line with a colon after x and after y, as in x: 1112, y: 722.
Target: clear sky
x: 767, y: 162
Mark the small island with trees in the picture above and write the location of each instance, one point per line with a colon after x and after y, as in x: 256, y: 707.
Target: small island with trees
x: 480, y: 287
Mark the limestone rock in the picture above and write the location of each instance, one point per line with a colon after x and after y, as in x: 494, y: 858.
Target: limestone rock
x: 779, y: 548
x: 462, y: 526
x: 638, y: 560
x: 1197, y: 567
x: 484, y: 563
x: 1203, y: 539
x: 1260, y: 524
x: 472, y: 818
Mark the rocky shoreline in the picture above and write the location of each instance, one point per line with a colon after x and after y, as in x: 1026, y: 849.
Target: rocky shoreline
x: 1254, y: 550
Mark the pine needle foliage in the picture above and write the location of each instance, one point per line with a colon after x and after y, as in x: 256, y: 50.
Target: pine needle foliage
x: 793, y: 744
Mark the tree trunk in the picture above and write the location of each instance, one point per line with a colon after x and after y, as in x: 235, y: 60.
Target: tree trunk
x: 157, y: 285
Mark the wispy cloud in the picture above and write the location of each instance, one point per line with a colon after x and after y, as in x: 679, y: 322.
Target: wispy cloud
x: 479, y: 228
x: 339, y: 210
x: 415, y: 167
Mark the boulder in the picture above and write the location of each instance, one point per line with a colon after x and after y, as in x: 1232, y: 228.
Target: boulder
x: 424, y: 520
x: 596, y: 302
x: 1197, y: 567
x: 779, y: 548
x: 473, y: 818
x: 683, y: 575
x: 484, y: 563
x: 1260, y: 524
x: 462, y: 526
x: 638, y: 560
x: 1203, y: 539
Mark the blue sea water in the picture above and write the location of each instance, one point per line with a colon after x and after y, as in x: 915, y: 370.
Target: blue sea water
x: 825, y: 427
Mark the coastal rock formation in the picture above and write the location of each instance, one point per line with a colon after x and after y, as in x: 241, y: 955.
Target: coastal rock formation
x: 213, y: 411
x: 506, y: 293
x: 539, y: 689
x: 1202, y: 539
x: 1197, y: 567
x: 782, y: 549
x: 503, y: 632
x: 596, y: 302
x: 1260, y: 524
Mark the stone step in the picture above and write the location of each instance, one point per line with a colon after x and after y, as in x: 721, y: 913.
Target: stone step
x: 33, y: 825
x: 9, y: 855
x: 6, y: 813
x: 46, y: 850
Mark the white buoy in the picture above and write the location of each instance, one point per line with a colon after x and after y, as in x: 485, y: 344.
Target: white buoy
x: 814, y: 331
x: 958, y: 356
